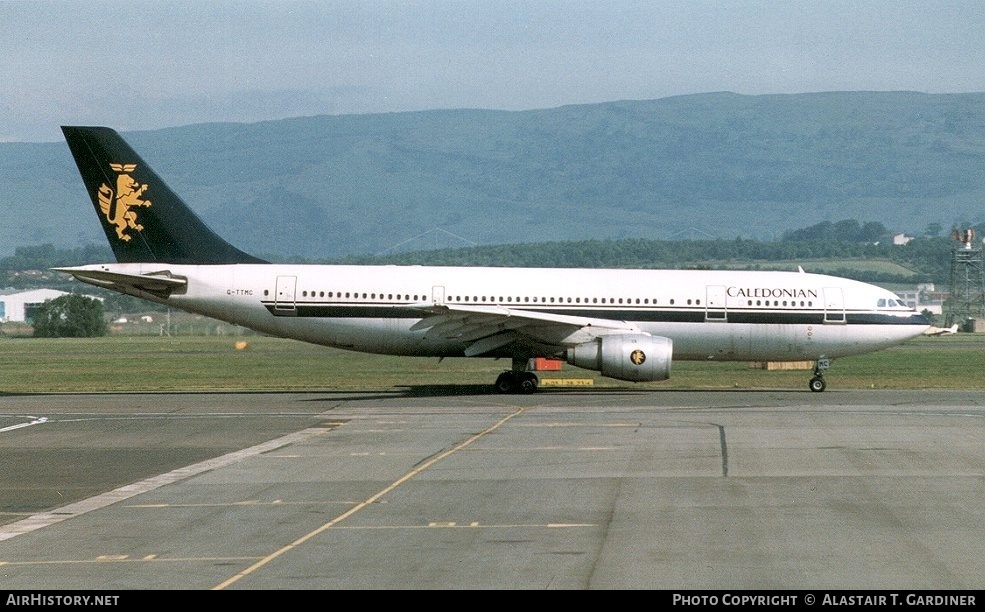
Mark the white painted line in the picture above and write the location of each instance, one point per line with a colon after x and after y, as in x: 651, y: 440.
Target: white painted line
x: 36, y: 421
x: 44, y: 519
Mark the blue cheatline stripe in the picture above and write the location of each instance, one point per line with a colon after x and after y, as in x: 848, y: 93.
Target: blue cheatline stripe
x: 649, y: 315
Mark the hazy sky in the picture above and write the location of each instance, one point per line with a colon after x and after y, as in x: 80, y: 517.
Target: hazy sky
x: 141, y: 64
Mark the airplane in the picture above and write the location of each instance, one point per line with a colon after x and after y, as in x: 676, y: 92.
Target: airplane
x: 626, y: 324
x: 941, y: 331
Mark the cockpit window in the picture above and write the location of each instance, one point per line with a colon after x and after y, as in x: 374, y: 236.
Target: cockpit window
x: 891, y: 303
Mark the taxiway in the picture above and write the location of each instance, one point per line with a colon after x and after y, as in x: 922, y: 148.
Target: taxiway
x: 455, y: 488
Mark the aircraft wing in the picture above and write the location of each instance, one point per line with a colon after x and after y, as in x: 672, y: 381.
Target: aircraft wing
x: 487, y: 328
x: 160, y: 283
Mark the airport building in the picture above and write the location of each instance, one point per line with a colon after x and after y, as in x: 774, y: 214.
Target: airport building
x: 19, y: 306
x: 924, y: 297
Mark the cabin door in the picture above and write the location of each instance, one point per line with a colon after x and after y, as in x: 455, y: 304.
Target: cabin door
x: 284, y: 298
x: 715, y: 303
x: 834, y: 305
x: 438, y: 295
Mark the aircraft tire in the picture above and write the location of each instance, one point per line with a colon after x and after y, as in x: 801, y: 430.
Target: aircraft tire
x: 817, y: 384
x: 528, y: 382
x: 506, y: 383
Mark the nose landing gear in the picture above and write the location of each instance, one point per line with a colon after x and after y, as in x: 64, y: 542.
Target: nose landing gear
x: 817, y: 383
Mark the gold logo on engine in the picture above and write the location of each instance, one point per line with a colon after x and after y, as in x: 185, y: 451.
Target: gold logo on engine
x: 637, y: 357
x: 116, y: 204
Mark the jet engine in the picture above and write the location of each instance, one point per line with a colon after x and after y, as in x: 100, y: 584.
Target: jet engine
x: 635, y: 357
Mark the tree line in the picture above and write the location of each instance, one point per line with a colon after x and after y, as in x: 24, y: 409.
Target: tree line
x: 928, y: 256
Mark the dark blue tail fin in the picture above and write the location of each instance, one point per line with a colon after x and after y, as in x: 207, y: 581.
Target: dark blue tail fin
x: 143, y: 219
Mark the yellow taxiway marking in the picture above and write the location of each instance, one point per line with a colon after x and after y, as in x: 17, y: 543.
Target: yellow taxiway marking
x: 477, y: 525
x: 118, y: 558
x: 583, y: 425
x: 424, y: 466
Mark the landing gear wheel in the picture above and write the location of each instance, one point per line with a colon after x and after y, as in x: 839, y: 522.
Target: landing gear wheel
x: 517, y: 382
x: 506, y: 383
x: 528, y: 382
x: 817, y: 383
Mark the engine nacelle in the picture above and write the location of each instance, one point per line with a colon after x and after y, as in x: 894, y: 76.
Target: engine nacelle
x: 635, y: 357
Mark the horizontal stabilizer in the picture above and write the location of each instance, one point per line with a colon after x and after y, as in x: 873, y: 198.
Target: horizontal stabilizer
x: 157, y: 283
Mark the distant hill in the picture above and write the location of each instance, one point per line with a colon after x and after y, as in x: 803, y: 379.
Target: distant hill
x: 716, y: 165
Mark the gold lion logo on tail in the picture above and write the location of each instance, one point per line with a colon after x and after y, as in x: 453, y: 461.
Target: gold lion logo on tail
x: 116, y: 205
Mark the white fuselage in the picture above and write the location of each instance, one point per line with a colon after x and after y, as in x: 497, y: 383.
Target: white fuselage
x: 709, y: 315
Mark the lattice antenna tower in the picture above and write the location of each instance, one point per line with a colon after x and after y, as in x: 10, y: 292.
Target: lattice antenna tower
x: 967, y: 300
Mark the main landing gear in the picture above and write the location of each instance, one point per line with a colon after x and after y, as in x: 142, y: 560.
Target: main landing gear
x: 817, y: 383
x: 517, y: 380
